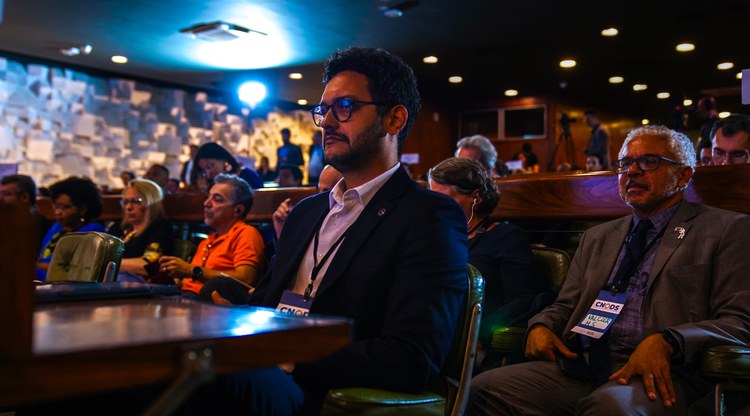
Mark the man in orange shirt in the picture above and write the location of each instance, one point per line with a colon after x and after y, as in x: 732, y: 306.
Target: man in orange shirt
x: 234, y: 250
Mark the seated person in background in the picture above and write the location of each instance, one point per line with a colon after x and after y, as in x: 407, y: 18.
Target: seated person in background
x: 21, y: 189
x: 264, y: 170
x: 705, y: 157
x: 497, y: 249
x: 77, y: 203
x: 593, y: 163
x: 159, y: 174
x: 126, y: 176
x: 146, y: 233
x: 679, y: 269
x: 730, y: 138
x: 234, y: 250
x: 289, y: 176
x: 212, y: 159
x: 173, y: 186
x: 529, y: 158
x: 327, y: 180
x: 478, y: 148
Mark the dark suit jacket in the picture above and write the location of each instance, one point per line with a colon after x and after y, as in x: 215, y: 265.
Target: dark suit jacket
x: 698, y: 285
x: 400, y: 274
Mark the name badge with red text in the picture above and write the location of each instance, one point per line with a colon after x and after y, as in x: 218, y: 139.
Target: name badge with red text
x: 602, y: 314
x: 294, y: 304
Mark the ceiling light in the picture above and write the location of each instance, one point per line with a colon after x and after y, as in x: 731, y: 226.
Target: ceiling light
x: 511, y: 93
x: 616, y: 79
x: 640, y: 87
x: 725, y: 65
x: 685, y: 47
x: 687, y: 102
x: 252, y: 92
x: 610, y: 31
x: 645, y: 121
x: 724, y: 114
x: 430, y: 59
x: 455, y: 79
x: 567, y: 63
x: 218, y: 31
x: 76, y: 50
x: 302, y: 101
x: 295, y: 75
x: 662, y: 95
x: 119, y: 59
x: 739, y: 75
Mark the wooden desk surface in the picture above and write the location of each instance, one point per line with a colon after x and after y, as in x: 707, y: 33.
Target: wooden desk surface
x: 86, y: 347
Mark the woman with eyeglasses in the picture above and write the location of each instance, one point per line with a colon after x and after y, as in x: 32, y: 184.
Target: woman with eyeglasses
x: 500, y: 251
x: 212, y: 159
x: 76, y: 203
x: 147, y: 235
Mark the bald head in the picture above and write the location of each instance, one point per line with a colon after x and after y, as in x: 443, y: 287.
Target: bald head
x: 328, y: 178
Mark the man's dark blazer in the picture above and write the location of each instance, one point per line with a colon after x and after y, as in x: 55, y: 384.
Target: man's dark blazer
x: 400, y: 274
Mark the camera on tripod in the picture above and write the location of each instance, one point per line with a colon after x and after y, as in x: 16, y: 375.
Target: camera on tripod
x: 565, y: 121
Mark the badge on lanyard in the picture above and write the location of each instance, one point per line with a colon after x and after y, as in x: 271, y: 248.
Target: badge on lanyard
x: 294, y: 304
x: 602, y: 314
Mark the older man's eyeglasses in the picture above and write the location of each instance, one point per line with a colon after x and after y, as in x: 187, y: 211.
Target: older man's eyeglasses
x: 342, y: 109
x: 645, y: 163
x: 132, y: 201
x: 735, y: 157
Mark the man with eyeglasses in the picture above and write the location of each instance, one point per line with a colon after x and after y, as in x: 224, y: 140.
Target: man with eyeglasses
x: 378, y: 248
x: 643, y: 296
x: 731, y: 140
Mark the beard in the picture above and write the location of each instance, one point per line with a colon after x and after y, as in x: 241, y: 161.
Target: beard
x: 670, y: 190
x: 367, y: 145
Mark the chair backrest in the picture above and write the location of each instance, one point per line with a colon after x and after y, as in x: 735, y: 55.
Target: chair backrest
x: 89, y: 256
x: 551, y: 264
x: 459, y: 366
x: 184, y: 249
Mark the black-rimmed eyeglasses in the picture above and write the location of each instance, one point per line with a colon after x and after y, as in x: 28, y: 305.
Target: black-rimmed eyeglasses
x: 645, y: 163
x: 134, y: 201
x: 342, y: 109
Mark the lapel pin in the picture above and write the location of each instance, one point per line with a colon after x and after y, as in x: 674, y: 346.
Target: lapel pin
x: 680, y: 232
x: 381, y: 212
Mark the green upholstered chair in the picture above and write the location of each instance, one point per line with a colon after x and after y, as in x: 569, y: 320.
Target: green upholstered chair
x: 728, y: 366
x: 89, y: 256
x: 184, y: 249
x: 552, y: 266
x: 449, y: 397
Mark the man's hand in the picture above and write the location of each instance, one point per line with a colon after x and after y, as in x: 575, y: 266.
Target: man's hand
x: 175, y: 267
x: 650, y: 360
x: 541, y: 344
x: 218, y: 300
x: 280, y: 215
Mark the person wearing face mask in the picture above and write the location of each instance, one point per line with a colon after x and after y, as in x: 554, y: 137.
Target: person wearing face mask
x: 212, y: 159
x: 77, y: 203
x: 497, y: 249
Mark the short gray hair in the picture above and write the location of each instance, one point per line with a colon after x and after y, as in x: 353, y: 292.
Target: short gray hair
x: 679, y: 144
x: 242, y: 193
x: 488, y: 154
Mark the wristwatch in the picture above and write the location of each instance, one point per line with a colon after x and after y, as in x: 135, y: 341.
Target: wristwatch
x: 198, y: 273
x: 671, y: 340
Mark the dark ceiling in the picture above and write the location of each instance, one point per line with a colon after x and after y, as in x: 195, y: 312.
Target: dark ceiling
x: 493, y: 44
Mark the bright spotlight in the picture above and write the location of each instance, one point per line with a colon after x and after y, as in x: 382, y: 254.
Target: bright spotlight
x: 252, y: 92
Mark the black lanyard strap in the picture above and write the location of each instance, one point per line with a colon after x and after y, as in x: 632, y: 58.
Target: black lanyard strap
x: 317, y: 266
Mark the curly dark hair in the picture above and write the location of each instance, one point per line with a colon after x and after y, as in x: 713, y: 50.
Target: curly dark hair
x: 466, y: 176
x: 390, y: 80
x: 82, y: 193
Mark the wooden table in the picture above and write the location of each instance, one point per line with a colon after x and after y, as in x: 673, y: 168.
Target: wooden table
x: 87, y: 347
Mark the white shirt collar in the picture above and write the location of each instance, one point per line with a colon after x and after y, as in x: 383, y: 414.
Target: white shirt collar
x: 361, y: 194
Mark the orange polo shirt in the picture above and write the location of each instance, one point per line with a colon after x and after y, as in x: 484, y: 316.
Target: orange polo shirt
x: 241, y: 246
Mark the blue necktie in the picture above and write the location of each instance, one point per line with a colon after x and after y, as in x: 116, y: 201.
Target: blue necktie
x: 599, y: 359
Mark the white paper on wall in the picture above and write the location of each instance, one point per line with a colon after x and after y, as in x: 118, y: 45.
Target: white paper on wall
x: 7, y: 138
x: 156, y: 157
x: 170, y: 145
x: 84, y: 125
x: 73, y: 164
x: 140, y: 97
x: 103, y: 163
x: 40, y: 150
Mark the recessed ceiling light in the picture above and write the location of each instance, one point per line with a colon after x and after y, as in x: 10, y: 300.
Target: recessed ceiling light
x: 739, y: 75
x: 725, y: 65
x: 295, y: 75
x: 568, y: 63
x: 610, y: 31
x: 76, y: 50
x: 455, y: 79
x: 302, y: 101
x: 662, y: 95
x: 685, y: 47
x: 119, y: 59
x: 511, y: 93
x: 724, y: 114
x: 640, y: 87
x: 645, y: 121
x: 616, y: 79
x: 430, y: 59
x: 687, y: 102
